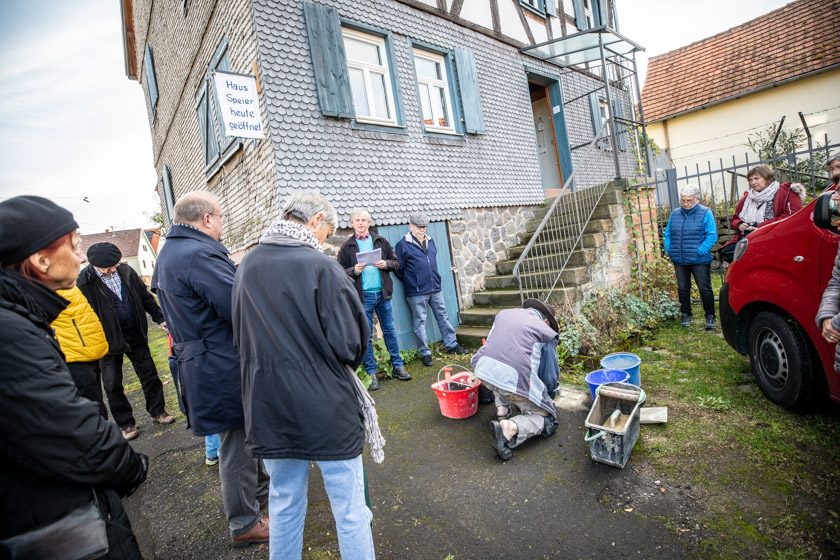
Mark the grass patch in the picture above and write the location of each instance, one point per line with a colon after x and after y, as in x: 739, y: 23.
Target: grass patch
x: 766, y: 473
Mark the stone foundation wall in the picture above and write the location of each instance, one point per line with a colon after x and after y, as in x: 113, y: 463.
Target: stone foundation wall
x: 480, y: 240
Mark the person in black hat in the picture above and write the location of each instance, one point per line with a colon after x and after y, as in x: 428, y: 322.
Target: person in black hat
x: 519, y: 364
x: 60, y: 460
x: 121, y: 300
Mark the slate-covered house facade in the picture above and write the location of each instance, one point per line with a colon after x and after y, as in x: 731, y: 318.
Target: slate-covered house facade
x: 395, y: 106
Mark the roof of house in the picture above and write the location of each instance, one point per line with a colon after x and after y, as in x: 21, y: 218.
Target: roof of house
x: 127, y: 240
x: 792, y: 42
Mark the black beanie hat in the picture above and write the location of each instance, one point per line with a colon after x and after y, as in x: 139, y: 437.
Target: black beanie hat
x: 30, y: 223
x: 104, y: 255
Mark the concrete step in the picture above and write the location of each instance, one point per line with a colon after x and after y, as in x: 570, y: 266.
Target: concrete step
x: 512, y: 298
x: 472, y: 337
x: 588, y: 240
x: 581, y: 257
x: 479, y: 316
x: 572, y: 276
x: 595, y: 225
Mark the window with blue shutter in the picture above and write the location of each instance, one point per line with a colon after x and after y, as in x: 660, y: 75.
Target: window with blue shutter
x: 621, y: 132
x: 470, y: 93
x: 600, y: 13
x: 600, y: 119
x: 151, y: 80
x: 168, y: 196
x: 584, y: 14
x: 329, y: 62
x: 218, y: 146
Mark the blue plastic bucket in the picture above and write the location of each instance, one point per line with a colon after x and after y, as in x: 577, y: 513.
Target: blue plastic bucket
x: 625, y: 361
x: 601, y: 376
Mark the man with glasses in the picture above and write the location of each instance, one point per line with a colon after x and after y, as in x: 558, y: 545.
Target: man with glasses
x: 417, y: 254
x: 194, y: 280
x: 121, y: 300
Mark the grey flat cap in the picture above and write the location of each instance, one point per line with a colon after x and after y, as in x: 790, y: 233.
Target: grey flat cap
x: 419, y: 219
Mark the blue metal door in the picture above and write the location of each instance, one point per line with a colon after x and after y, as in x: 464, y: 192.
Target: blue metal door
x: 402, y: 313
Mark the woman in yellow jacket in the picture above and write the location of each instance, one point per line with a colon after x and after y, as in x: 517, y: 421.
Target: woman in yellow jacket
x: 83, y: 342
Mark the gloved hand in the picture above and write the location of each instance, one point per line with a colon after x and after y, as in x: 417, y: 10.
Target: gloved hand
x: 143, y: 472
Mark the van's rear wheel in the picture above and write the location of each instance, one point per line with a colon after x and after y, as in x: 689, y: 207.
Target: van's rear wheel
x: 780, y: 360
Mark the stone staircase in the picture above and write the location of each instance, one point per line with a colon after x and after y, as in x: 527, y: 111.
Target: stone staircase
x: 501, y: 290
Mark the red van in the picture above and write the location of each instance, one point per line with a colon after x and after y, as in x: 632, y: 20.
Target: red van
x: 769, y: 301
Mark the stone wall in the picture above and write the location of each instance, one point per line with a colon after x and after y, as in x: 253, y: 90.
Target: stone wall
x: 480, y: 240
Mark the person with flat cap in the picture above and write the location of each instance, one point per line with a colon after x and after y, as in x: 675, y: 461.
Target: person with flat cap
x: 519, y: 364
x: 417, y: 253
x: 121, y: 300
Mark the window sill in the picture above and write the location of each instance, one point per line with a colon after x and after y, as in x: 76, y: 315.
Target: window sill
x: 214, y: 167
x: 445, y: 139
x: 396, y: 133
x: 533, y: 10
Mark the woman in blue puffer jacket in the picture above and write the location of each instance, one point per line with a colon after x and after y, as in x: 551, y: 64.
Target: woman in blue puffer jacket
x: 689, y: 237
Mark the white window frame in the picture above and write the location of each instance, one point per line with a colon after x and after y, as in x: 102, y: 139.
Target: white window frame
x: 432, y: 84
x: 588, y: 14
x: 367, y: 69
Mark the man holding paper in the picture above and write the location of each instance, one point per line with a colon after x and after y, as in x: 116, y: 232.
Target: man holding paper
x: 367, y: 258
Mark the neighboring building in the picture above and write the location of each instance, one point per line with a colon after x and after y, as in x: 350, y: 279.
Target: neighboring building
x: 702, y: 101
x: 396, y: 106
x: 135, y: 246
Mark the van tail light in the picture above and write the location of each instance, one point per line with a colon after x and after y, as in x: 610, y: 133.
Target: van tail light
x: 740, y: 249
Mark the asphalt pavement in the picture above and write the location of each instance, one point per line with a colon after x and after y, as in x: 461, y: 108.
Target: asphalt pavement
x: 441, y: 493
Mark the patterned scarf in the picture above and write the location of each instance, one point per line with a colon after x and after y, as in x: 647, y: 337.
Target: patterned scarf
x: 285, y: 232
x: 282, y: 232
x: 756, y: 208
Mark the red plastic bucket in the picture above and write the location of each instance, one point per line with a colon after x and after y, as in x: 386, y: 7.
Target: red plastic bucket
x: 457, y: 394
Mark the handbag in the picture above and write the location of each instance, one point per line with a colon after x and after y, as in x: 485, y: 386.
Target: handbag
x: 726, y: 253
x: 79, y: 535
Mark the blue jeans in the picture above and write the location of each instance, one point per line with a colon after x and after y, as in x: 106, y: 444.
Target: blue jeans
x: 375, y: 301
x: 344, y: 481
x: 703, y: 279
x: 418, y: 313
x: 211, y: 446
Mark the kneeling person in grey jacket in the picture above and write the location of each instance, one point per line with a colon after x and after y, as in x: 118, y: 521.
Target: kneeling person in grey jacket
x: 519, y: 364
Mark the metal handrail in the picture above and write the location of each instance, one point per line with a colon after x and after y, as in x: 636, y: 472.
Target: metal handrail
x: 527, y: 271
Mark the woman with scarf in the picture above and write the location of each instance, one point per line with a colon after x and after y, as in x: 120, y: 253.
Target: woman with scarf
x: 766, y: 202
x: 63, y: 467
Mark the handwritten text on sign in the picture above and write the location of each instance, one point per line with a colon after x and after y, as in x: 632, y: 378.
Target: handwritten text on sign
x: 239, y: 105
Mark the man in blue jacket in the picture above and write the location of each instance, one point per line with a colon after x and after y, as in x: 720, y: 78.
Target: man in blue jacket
x: 418, y: 271
x: 193, y: 280
x: 689, y: 237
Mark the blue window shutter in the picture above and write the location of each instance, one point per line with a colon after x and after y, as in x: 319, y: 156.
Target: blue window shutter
x: 222, y: 64
x: 601, y: 15
x: 620, y: 128
x: 168, y: 195
x: 561, y: 134
x: 551, y: 7
x: 205, y: 124
x: 470, y: 94
x: 151, y: 79
x: 580, y: 15
x: 595, y: 108
x: 326, y: 46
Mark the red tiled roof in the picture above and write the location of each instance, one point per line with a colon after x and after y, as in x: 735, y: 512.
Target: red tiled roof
x: 798, y: 39
x: 128, y: 241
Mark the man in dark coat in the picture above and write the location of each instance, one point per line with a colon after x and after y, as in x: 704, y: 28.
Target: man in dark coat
x: 121, y: 300
x: 374, y: 285
x: 56, y: 451
x: 301, y: 332
x: 193, y: 279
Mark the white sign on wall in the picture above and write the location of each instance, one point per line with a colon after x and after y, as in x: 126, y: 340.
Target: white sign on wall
x: 239, y: 104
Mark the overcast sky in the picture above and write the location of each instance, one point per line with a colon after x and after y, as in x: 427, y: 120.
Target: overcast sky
x: 72, y: 126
